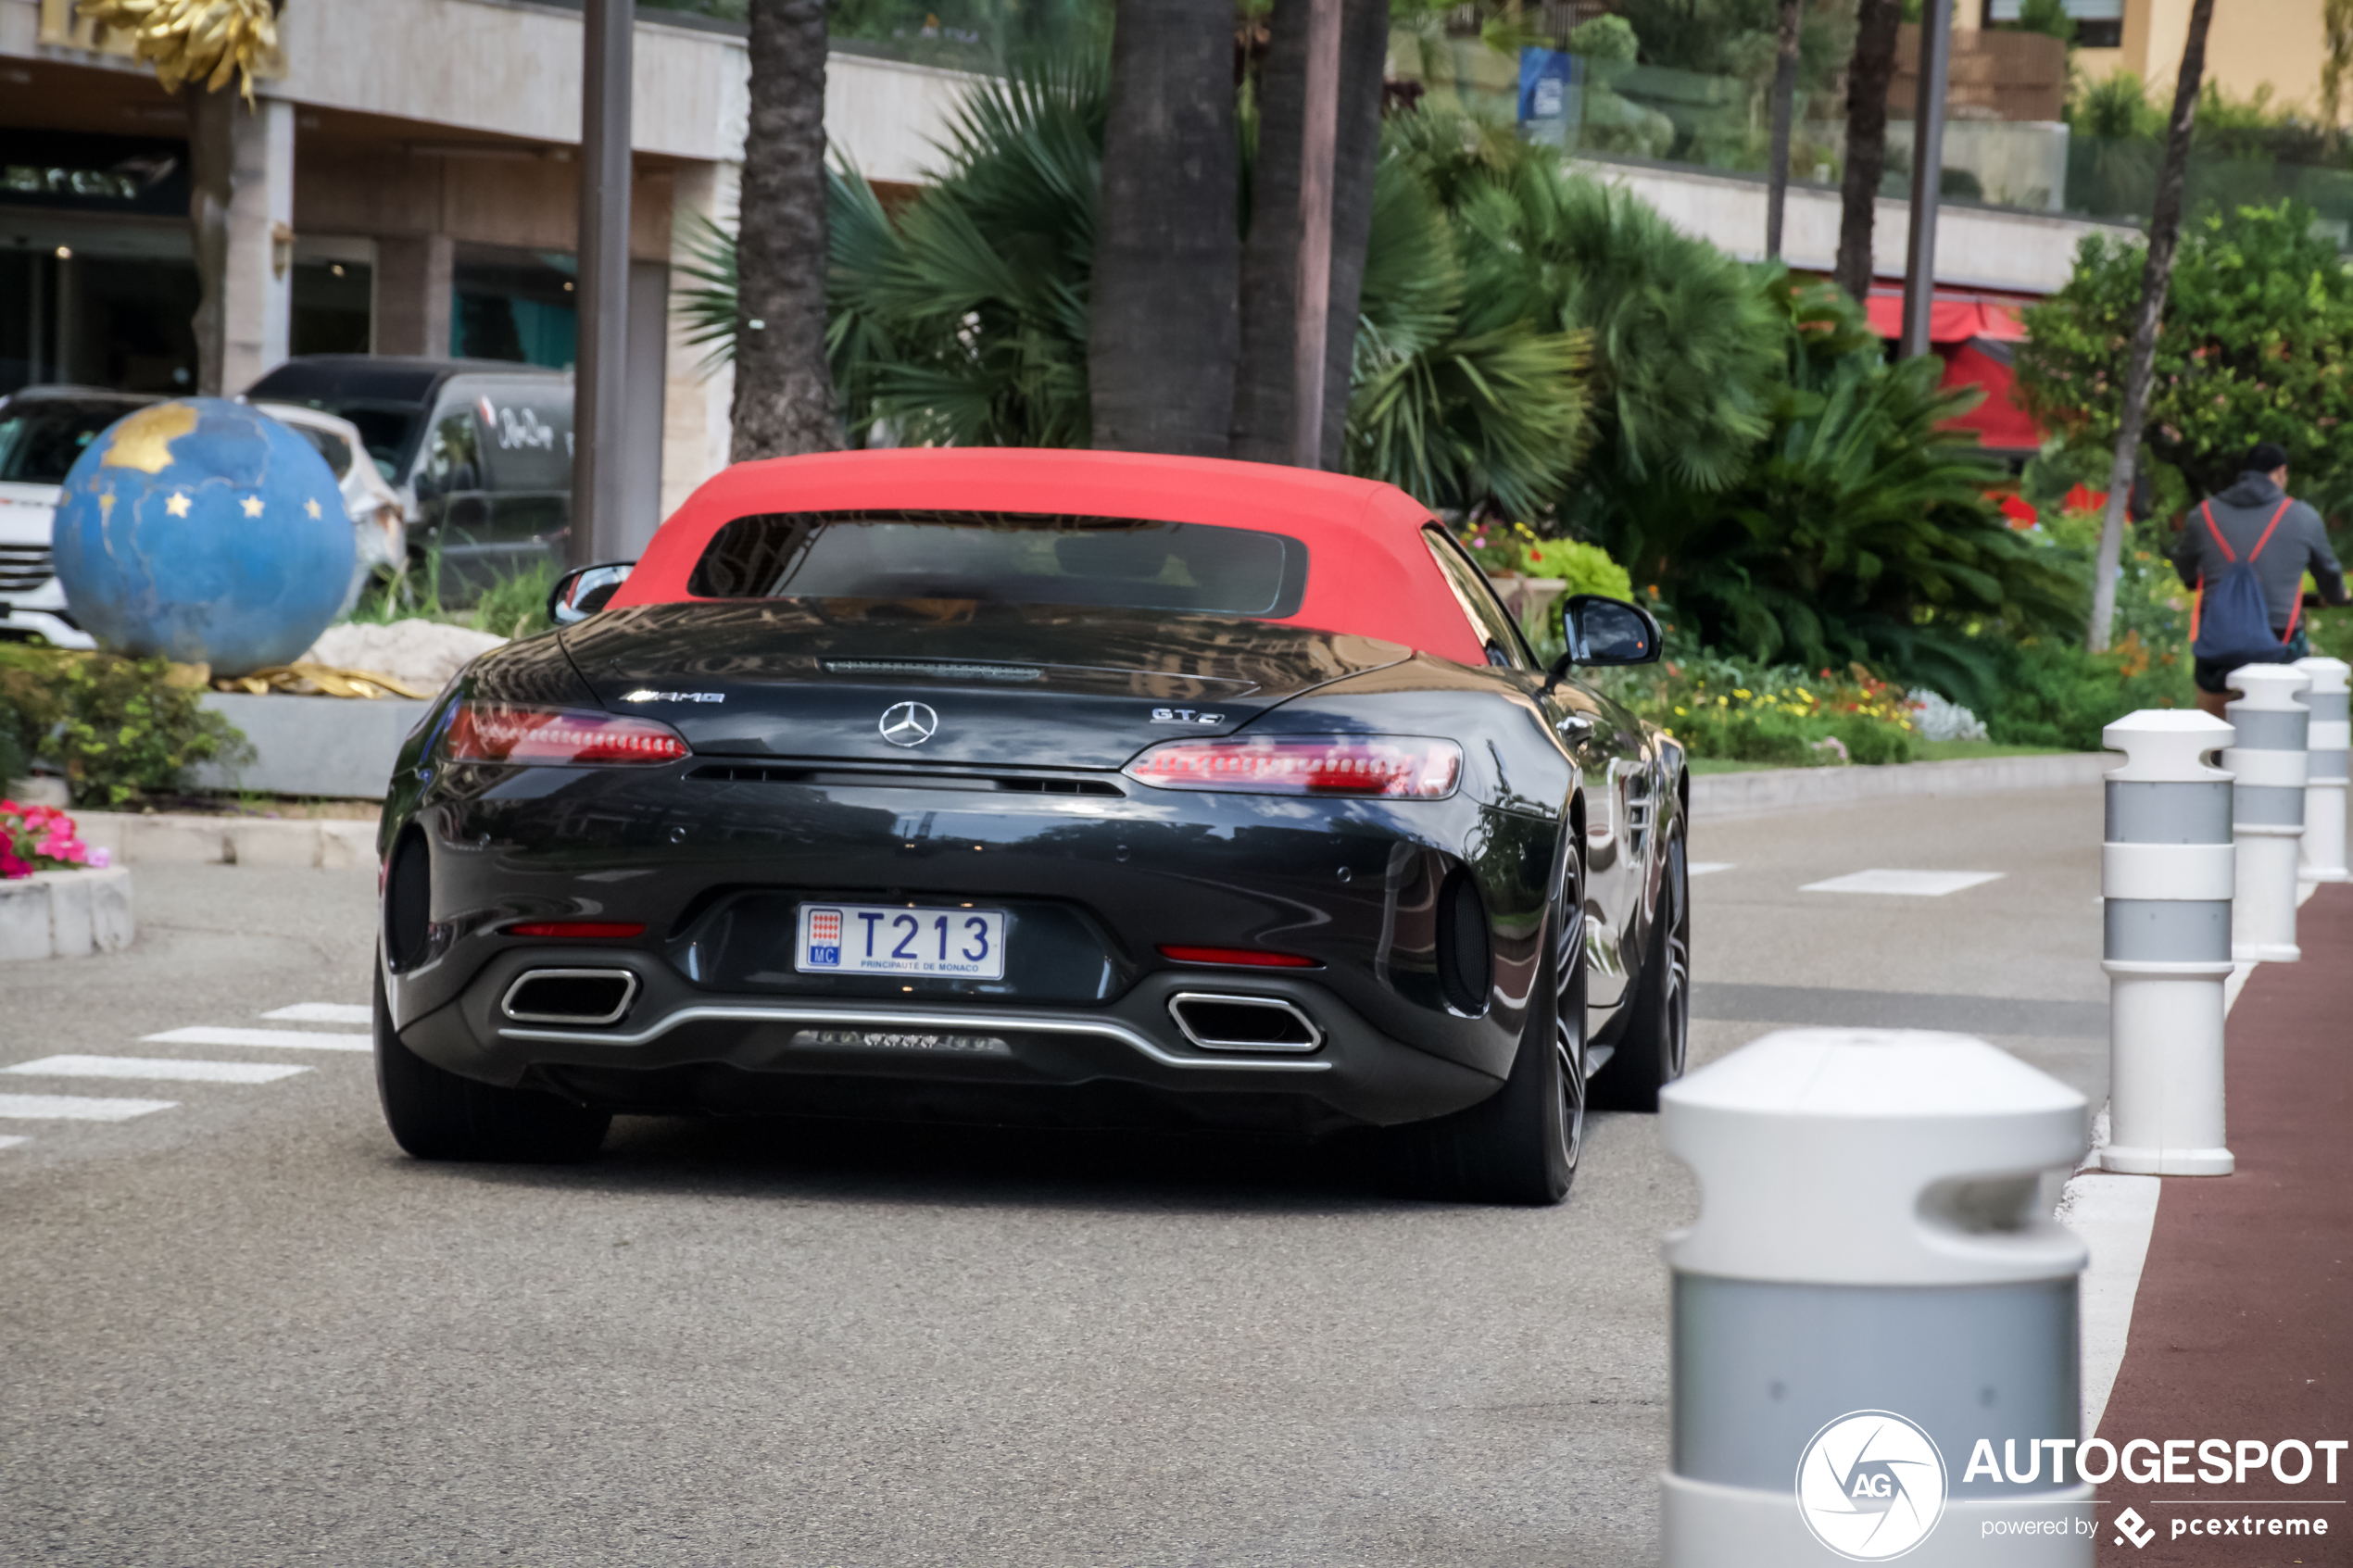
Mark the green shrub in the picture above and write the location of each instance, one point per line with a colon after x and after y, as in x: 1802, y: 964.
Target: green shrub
x: 119, y: 728
x: 516, y: 605
x: 2052, y: 693
x: 1780, y: 715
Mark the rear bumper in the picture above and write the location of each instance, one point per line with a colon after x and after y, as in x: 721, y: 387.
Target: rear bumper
x: 1122, y: 1063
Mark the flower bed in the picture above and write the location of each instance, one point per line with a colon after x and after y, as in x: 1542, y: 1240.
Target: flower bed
x: 42, y: 838
x: 1782, y: 717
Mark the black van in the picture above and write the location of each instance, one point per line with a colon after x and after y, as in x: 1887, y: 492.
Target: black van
x: 479, y: 449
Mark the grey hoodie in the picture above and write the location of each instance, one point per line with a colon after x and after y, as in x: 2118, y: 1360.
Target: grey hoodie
x: 2298, y: 545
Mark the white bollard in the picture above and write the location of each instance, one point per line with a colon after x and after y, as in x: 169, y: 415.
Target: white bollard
x: 2322, y: 858
x: 1873, y: 1299
x: 2267, y: 769
x: 2168, y: 869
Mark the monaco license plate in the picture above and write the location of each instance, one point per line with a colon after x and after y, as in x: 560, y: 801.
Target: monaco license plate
x: 886, y: 939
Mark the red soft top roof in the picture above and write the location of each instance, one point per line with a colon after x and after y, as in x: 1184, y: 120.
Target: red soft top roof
x: 1368, y: 573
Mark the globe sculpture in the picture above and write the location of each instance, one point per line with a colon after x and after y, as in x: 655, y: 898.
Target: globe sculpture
x: 206, y: 533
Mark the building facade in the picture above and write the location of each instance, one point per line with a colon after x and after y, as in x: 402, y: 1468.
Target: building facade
x: 406, y: 185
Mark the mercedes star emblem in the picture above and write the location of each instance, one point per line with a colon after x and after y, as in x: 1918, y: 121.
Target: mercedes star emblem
x: 909, y: 723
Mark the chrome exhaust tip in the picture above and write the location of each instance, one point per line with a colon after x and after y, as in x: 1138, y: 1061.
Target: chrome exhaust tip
x: 1217, y: 1021
x: 570, y: 996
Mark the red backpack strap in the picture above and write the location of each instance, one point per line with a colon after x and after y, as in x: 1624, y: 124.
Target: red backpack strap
x: 2206, y: 509
x: 2285, y: 504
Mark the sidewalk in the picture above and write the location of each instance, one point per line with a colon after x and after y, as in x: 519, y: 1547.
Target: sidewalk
x: 2243, y: 1326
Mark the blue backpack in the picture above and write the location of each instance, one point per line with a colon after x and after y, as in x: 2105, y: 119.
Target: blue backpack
x: 2230, y: 619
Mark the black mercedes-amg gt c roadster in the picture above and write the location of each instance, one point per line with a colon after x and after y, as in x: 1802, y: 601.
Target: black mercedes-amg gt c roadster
x: 1040, y: 787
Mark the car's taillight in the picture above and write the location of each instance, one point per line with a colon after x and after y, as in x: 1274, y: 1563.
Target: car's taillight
x: 1394, y: 767
x: 500, y: 732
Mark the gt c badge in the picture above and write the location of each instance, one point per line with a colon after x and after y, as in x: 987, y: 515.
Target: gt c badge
x: 1184, y: 716
x: 909, y: 723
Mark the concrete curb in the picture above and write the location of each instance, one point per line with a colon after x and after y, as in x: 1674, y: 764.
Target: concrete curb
x: 1716, y: 797
x: 190, y: 839
x: 65, y: 914
x: 342, y: 747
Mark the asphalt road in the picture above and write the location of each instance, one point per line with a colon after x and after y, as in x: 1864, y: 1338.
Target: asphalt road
x: 245, y: 1330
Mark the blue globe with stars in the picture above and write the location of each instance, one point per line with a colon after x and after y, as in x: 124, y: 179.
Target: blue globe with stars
x: 204, y: 533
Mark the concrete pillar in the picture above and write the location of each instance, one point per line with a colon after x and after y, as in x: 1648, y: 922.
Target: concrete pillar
x: 416, y: 276
x: 2269, y: 768
x: 1874, y: 1291
x: 695, y: 422
x: 257, y: 292
x: 2167, y: 870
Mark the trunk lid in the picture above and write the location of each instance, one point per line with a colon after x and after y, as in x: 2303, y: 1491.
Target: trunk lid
x: 1004, y: 684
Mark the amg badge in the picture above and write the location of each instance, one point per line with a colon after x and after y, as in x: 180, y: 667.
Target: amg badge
x: 648, y: 694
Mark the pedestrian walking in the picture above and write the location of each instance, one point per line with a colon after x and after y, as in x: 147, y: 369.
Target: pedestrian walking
x: 2245, y: 550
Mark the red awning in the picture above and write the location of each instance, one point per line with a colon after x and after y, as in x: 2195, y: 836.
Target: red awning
x: 1952, y: 318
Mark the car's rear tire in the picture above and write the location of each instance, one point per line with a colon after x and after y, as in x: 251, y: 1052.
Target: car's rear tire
x: 1651, y: 1051
x: 1522, y: 1144
x: 435, y: 1114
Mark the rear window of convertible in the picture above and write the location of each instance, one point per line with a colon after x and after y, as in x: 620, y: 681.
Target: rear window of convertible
x: 1021, y: 558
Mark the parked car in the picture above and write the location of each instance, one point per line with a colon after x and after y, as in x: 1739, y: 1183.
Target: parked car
x: 42, y: 430
x: 479, y: 450
x: 379, y: 523
x: 1095, y: 789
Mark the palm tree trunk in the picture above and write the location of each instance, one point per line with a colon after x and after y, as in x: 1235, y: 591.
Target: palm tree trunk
x: 784, y: 391
x: 2165, y: 234
x: 1264, y: 381
x: 1163, y: 324
x: 212, y: 181
x: 1867, y: 74
x: 1784, y: 113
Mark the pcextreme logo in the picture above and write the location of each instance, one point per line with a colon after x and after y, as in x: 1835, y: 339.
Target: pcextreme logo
x: 1870, y: 1486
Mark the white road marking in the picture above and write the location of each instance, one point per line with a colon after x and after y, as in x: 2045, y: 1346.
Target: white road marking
x: 2114, y: 1215
x: 74, y: 1108
x: 1701, y: 868
x: 324, y: 1012
x: 294, y: 1039
x: 1917, y: 884
x: 157, y: 1067
x: 10, y: 1141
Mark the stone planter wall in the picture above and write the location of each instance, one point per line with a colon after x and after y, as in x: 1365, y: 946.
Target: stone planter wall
x: 65, y: 914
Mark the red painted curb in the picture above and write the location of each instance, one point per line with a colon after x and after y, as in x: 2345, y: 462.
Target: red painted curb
x: 2243, y: 1328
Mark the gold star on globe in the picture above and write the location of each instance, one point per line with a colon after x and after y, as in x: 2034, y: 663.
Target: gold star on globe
x: 253, y: 506
x: 311, y: 507
x: 178, y: 505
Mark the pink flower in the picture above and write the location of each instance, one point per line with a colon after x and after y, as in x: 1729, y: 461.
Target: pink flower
x: 11, y: 869
x: 101, y: 859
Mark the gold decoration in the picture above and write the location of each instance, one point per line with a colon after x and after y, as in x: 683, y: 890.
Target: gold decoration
x: 144, y: 441
x: 318, y: 679
x: 206, y: 41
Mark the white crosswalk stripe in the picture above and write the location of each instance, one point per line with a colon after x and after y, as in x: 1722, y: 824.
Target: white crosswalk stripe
x: 158, y: 1068
x: 10, y: 1141
x: 75, y: 1107
x: 291, y: 1039
x: 323, y: 1012
x: 1913, y: 884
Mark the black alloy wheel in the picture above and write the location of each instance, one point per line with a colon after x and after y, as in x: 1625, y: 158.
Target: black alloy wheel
x: 1522, y: 1144
x: 435, y: 1114
x: 1657, y: 1041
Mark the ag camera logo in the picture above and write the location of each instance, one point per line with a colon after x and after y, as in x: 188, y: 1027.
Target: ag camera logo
x: 1870, y: 1486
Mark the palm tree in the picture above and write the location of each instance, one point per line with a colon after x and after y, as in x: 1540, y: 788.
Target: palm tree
x: 1163, y: 327
x: 784, y: 401
x: 1263, y: 389
x: 1868, y: 75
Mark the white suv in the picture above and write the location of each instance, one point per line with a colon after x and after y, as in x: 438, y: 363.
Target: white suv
x: 42, y: 430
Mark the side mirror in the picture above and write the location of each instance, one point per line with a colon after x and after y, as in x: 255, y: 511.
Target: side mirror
x: 585, y: 590
x: 1603, y: 631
